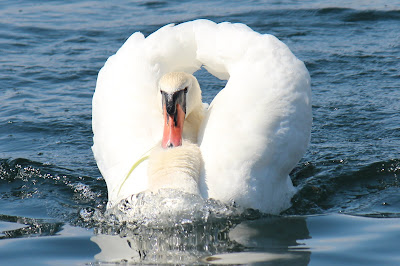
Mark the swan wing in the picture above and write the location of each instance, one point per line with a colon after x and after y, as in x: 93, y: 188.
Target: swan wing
x: 126, y: 117
x: 258, y: 127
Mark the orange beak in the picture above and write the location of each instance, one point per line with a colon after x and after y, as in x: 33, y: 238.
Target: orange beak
x: 174, y: 116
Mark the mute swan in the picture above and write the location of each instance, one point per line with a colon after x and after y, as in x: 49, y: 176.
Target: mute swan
x: 241, y: 148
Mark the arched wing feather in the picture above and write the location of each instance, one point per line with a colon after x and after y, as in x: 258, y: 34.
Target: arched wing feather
x: 127, y: 117
x: 258, y: 127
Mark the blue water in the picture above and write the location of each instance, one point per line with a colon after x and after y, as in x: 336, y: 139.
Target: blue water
x: 52, y: 197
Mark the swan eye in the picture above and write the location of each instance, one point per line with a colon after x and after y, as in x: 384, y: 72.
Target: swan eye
x: 185, y: 90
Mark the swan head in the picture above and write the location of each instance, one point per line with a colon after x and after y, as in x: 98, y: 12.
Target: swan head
x: 180, y: 95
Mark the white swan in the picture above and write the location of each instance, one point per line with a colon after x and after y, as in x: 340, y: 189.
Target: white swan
x: 242, y: 147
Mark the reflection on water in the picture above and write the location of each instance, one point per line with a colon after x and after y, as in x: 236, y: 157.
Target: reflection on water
x: 353, y: 240
x: 218, y: 242
x: 293, y: 240
x: 28, y: 241
x: 17, y: 227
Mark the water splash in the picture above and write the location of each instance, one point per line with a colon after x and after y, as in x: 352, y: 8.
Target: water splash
x: 168, y: 207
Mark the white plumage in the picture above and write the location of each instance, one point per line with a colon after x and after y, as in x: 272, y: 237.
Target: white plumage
x: 253, y: 133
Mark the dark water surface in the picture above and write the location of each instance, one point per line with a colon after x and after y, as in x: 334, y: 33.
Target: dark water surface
x: 52, y: 197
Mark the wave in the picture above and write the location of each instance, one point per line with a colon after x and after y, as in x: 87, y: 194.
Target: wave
x: 354, y: 15
x: 47, y: 191
x: 371, y: 190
